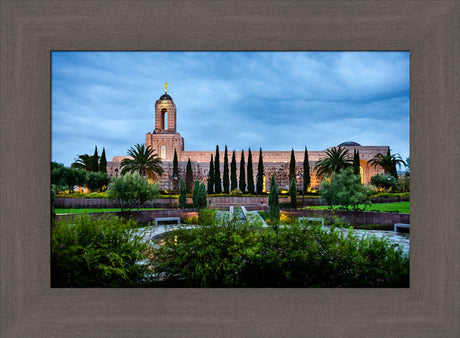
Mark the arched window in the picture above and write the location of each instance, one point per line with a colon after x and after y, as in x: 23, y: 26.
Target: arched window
x: 163, y: 152
x: 165, y: 120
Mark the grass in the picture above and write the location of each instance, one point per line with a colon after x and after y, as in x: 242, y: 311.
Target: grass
x: 399, y: 207
x: 81, y: 211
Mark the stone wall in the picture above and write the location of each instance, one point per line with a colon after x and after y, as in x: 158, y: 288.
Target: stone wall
x: 147, y: 215
x: 360, y: 218
x: 216, y: 202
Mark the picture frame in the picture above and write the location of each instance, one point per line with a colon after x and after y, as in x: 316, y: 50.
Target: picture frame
x: 30, y: 30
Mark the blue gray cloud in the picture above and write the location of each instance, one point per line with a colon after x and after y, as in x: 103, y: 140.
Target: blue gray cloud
x: 273, y: 100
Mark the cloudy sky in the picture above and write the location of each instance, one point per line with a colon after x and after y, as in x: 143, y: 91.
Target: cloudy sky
x: 273, y: 100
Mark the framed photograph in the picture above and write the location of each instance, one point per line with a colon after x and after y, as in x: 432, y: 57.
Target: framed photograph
x: 32, y: 30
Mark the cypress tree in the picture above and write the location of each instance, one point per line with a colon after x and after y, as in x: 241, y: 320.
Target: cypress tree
x: 217, y: 181
x: 260, y: 175
x: 242, y: 173
x: 94, y: 161
x: 233, y: 178
x: 250, y: 174
x: 183, y: 194
x: 175, y: 173
x: 211, y: 177
x: 292, y: 167
x: 356, y: 162
x: 306, y: 172
x: 202, y: 199
x: 274, y: 202
x: 225, y: 177
x: 196, y: 188
x: 103, y: 162
x: 189, y: 177
x: 293, y: 193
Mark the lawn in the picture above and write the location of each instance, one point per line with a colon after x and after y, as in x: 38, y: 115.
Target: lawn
x: 81, y: 211
x: 399, y: 207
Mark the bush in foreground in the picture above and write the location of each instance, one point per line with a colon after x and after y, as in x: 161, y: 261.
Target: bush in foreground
x: 96, y: 252
x: 235, y: 253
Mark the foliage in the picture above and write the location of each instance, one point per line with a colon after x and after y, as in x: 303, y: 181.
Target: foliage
x: 83, y: 195
x: 407, y: 167
x: 210, y: 255
x: 183, y: 194
x: 292, y: 173
x: 293, y: 193
x: 95, y: 161
x: 211, y: 177
x: 274, y: 202
x: 217, y: 180
x: 131, y: 191
x: 96, y: 252
x: 387, y: 162
x: 260, y: 174
x: 306, y: 172
x: 397, y: 207
x: 202, y: 198
x: 189, y: 177
x: 383, y: 181
x: 143, y: 161
x: 250, y: 174
x: 233, y: 178
x: 97, y: 180
x: 83, y: 162
x: 399, y: 196
x: 337, y: 158
x: 226, y: 178
x: 53, y: 197
x: 403, y: 184
x: 234, y: 253
x: 69, y: 177
x: 242, y: 185
x: 175, y: 173
x: 236, y: 192
x: 356, y: 164
x: 196, y: 188
x: 103, y: 162
x: 345, y: 189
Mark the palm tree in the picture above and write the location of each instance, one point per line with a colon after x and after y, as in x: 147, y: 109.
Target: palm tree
x: 83, y: 162
x: 144, y: 161
x: 338, y: 158
x: 388, y: 162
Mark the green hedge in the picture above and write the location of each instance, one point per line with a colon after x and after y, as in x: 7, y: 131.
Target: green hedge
x: 234, y: 253
x: 96, y: 252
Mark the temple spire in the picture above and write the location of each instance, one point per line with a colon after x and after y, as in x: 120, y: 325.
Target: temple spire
x: 166, y: 87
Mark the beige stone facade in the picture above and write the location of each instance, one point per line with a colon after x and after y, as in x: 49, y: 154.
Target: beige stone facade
x: 165, y: 139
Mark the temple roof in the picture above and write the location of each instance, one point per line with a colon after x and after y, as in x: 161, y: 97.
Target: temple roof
x: 350, y: 144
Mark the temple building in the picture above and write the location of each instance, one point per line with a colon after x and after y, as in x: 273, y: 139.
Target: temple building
x: 164, y: 139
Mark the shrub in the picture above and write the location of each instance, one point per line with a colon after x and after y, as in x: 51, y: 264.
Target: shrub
x: 131, y: 191
x: 97, y: 180
x: 403, y: 184
x: 345, y: 189
x: 293, y: 193
x: 383, y: 181
x: 208, y: 256
x: 236, y: 192
x: 274, y: 202
x: 96, y: 252
x: 183, y: 194
x: 233, y: 253
x: 202, y: 198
